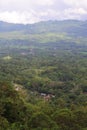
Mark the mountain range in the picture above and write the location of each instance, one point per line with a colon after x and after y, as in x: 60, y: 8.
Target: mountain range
x: 46, y: 31
x: 73, y: 27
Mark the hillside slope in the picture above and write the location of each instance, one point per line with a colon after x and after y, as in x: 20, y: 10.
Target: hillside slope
x: 72, y: 27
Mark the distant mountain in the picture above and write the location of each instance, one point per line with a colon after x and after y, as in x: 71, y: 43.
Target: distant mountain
x: 71, y: 27
x: 7, y: 27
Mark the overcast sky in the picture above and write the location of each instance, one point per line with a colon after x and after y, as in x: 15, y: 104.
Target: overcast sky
x: 31, y: 11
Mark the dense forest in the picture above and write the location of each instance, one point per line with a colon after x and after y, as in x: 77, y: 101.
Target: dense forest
x: 43, y: 76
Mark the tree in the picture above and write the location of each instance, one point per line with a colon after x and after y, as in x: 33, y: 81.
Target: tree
x: 40, y: 120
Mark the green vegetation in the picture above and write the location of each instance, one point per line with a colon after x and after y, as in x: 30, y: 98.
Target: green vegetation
x: 43, y: 76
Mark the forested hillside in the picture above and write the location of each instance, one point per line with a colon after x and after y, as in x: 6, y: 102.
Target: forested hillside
x: 43, y: 76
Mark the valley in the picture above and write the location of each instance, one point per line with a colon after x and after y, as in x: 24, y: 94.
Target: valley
x: 49, y: 59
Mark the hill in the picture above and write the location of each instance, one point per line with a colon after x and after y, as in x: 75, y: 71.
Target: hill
x: 72, y: 27
x: 43, y: 76
x: 45, y: 32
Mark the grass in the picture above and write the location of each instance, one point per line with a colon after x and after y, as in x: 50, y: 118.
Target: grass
x: 7, y: 58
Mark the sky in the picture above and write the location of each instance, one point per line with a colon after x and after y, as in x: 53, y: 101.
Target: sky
x: 32, y: 11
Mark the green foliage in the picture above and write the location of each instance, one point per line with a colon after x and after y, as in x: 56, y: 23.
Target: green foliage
x: 43, y: 76
x: 40, y: 120
x: 17, y: 113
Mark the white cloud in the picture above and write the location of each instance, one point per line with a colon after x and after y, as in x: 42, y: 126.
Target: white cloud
x: 17, y: 17
x: 76, y: 3
x: 44, y: 2
x: 30, y: 11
